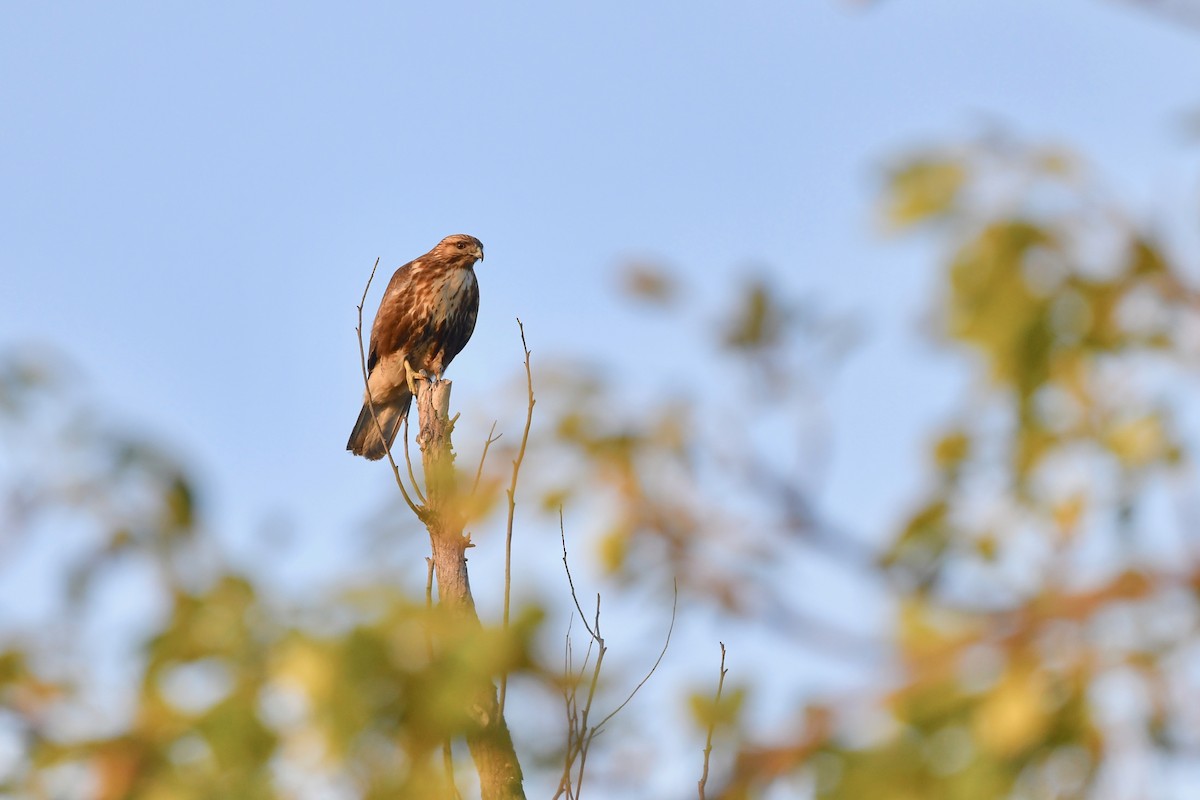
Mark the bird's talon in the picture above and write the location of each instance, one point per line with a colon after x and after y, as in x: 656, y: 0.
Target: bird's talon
x: 412, y: 375
x: 408, y: 377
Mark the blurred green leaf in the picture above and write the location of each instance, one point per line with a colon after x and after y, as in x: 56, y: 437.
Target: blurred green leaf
x: 922, y: 189
x: 718, y: 715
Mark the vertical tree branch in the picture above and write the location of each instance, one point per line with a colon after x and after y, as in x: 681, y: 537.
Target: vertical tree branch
x: 712, y: 724
x: 408, y: 462
x: 512, y: 499
x: 489, y: 741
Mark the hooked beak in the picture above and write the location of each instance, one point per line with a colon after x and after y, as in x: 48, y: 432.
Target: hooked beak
x: 479, y: 252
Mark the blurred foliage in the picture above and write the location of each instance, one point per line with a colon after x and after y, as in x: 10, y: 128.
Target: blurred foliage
x: 1041, y: 597
x: 235, y: 694
x: 1036, y: 586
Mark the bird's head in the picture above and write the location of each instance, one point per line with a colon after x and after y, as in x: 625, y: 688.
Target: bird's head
x: 461, y: 245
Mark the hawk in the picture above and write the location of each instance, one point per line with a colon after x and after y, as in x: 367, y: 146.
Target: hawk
x: 425, y: 318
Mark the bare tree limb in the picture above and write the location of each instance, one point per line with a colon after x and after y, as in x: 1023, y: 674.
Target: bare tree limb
x: 512, y: 499
x: 483, y: 457
x: 362, y: 359
x: 570, y: 581
x: 657, y: 661
x: 712, y: 724
x: 579, y: 734
x: 408, y: 462
x: 489, y: 739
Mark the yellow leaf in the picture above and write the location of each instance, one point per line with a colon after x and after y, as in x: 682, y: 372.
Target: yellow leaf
x: 952, y: 449
x: 1015, y: 715
x: 1137, y: 442
x: 992, y: 307
x: 709, y: 713
x: 303, y: 666
x: 1068, y: 513
x: 614, y: 548
x: 921, y: 189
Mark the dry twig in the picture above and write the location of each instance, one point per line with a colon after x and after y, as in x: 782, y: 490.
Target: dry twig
x: 483, y: 457
x: 408, y: 462
x: 362, y: 359
x: 579, y: 734
x: 512, y: 499
x: 712, y: 724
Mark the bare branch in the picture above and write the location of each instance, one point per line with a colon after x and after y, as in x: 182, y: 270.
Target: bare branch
x: 571, y: 707
x: 568, y: 692
x: 482, y: 458
x: 562, y: 534
x: 408, y: 461
x: 712, y: 724
x: 512, y: 499
x: 657, y: 661
x: 586, y: 734
x: 362, y: 359
x: 579, y: 734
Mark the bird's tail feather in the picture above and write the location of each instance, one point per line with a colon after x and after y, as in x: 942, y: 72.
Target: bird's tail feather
x: 365, y: 439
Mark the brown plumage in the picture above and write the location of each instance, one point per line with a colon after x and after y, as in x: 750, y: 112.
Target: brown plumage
x: 426, y: 316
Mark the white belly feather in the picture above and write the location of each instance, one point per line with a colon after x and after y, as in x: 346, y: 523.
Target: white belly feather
x: 454, y: 290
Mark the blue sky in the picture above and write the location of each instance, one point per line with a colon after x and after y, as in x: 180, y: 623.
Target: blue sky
x: 193, y: 195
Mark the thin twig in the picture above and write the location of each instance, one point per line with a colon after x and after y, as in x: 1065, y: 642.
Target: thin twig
x: 512, y: 501
x: 362, y: 359
x: 586, y: 741
x: 657, y: 661
x: 486, y: 446
x: 582, y: 736
x: 579, y: 734
x: 563, y: 535
x: 570, y: 707
x: 577, y: 729
x: 712, y: 724
x: 408, y: 461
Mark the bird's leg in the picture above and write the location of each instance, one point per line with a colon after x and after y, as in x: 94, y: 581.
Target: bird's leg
x: 411, y: 375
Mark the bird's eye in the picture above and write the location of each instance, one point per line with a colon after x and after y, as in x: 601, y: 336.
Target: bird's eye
x: 461, y: 245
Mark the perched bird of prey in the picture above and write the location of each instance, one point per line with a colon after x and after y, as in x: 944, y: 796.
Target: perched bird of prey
x: 425, y: 318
